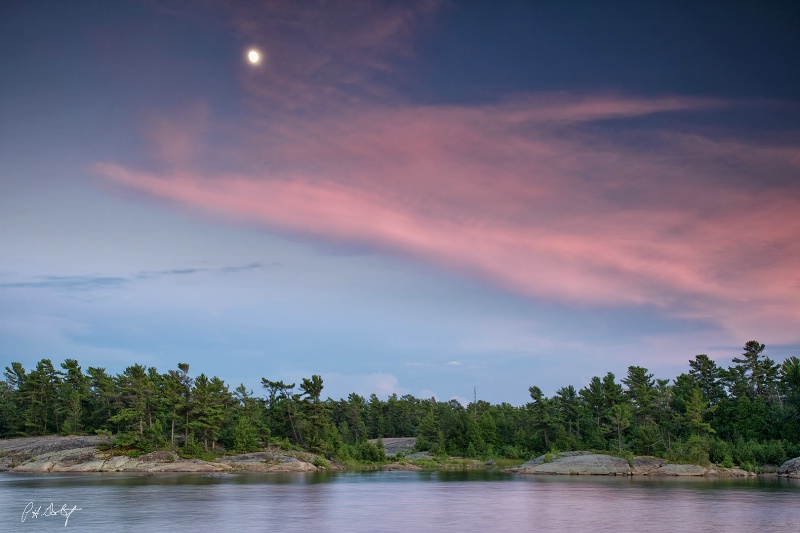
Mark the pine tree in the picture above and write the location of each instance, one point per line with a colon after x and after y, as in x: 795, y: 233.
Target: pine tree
x: 73, y: 397
x: 207, y: 409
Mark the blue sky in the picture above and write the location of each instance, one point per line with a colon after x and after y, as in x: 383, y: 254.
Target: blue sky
x: 419, y: 197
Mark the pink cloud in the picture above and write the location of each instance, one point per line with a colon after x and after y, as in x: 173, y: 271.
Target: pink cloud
x: 583, y: 219
x: 521, y: 193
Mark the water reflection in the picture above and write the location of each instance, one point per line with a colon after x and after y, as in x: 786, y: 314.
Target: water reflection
x: 400, y: 501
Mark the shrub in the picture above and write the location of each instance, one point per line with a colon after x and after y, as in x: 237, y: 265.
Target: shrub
x: 727, y: 461
x: 320, y: 462
x: 693, y: 451
x: 512, y: 452
x: 774, y: 452
x: 719, y: 450
x: 366, y: 451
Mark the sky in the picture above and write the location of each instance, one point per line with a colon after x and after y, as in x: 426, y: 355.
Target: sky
x: 449, y: 199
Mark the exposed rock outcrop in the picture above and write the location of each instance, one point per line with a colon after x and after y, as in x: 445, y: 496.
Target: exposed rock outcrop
x: 646, y: 465
x: 393, y: 446
x: 790, y: 468
x: 27, y: 447
x: 595, y: 465
x: 729, y: 472
x: 79, y: 454
x: 587, y: 463
x: 679, y: 470
x: 543, y: 458
x: 269, y: 461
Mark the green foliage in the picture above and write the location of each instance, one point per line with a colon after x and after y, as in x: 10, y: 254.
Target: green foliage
x: 427, y: 434
x: 133, y: 454
x: 320, y: 462
x: 192, y: 449
x: 125, y: 440
x: 694, y: 451
x: 628, y: 456
x: 369, y: 452
x: 746, y: 414
x: 720, y: 452
x: 245, y: 437
x: 727, y: 461
x: 513, y: 452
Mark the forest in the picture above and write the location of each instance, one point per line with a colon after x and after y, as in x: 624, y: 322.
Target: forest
x: 747, y: 414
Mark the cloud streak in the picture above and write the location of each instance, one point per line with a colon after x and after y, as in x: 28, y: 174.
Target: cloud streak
x: 93, y: 283
x: 591, y: 199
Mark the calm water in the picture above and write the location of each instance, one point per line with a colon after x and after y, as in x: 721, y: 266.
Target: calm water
x: 397, y: 501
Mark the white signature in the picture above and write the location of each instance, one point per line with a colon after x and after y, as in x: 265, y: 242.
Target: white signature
x: 50, y: 510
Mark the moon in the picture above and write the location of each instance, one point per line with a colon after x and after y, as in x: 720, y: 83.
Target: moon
x: 254, y: 57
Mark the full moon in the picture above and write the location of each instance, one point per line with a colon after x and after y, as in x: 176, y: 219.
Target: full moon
x: 253, y: 56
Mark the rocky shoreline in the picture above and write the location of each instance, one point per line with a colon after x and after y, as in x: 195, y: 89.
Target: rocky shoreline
x: 593, y: 464
x: 82, y: 454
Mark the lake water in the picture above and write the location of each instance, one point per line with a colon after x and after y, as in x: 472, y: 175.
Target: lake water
x: 396, y: 501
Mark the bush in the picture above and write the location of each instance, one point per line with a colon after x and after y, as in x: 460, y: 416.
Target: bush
x: 366, y: 451
x: 792, y: 448
x: 774, y: 453
x: 512, y: 452
x: 133, y: 454
x: 719, y: 450
x: 320, y: 462
x: 693, y: 451
x: 727, y: 461
x: 192, y: 449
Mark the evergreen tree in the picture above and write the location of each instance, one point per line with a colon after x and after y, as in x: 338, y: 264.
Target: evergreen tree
x: 135, y: 389
x: 569, y: 409
x: 177, y: 388
x: 17, y: 399
x: 545, y: 417
x: 281, y: 407
x: 73, y: 397
x: 316, y: 419
x: 761, y: 372
x: 207, y: 406
x: 428, y: 433
x: 708, y: 377
x: 104, y: 401
x: 641, y: 394
x: 355, y: 423
x: 697, y: 410
x: 41, y: 389
x: 593, y: 398
x: 619, y: 417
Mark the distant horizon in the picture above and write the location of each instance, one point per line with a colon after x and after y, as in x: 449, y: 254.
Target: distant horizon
x: 464, y: 401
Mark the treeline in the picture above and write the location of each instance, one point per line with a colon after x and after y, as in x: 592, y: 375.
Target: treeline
x: 746, y: 414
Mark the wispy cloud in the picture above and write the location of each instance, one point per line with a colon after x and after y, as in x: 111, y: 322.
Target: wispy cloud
x: 558, y: 196
x: 93, y: 283
x: 71, y: 283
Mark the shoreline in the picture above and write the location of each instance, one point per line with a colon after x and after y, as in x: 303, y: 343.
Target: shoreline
x: 80, y: 454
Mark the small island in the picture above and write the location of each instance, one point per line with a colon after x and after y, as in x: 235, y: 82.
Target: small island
x: 711, y: 421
